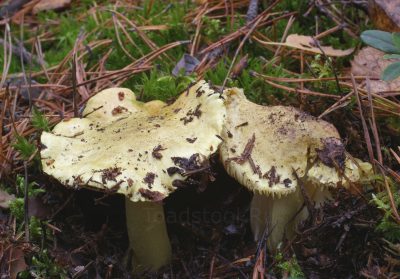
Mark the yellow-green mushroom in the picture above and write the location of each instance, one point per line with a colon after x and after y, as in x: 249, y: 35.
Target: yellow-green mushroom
x: 144, y: 151
x: 275, y: 151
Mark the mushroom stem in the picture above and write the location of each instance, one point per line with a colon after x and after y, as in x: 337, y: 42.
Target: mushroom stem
x: 278, y: 215
x: 148, y: 237
x: 281, y: 215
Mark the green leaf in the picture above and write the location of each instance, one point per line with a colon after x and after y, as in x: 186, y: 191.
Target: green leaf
x: 391, y: 56
x: 396, y: 40
x: 391, y: 72
x: 380, y: 40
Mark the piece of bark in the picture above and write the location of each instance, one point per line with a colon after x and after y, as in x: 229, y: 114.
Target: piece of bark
x: 385, y: 14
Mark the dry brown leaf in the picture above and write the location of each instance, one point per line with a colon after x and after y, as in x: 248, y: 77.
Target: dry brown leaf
x: 17, y: 263
x: 309, y: 44
x: 385, y: 14
x: 370, y: 62
x: 5, y: 199
x: 47, y: 5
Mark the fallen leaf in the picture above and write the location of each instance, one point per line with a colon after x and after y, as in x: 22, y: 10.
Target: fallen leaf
x: 5, y: 199
x: 188, y: 63
x: 47, y: 5
x: 17, y: 262
x: 309, y: 44
x: 370, y: 62
x: 385, y: 14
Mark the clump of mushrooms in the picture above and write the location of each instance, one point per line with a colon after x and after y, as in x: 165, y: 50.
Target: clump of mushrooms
x: 276, y: 151
x: 144, y: 151
x: 147, y: 150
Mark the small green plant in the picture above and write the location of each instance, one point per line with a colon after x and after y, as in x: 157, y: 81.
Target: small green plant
x: 387, y: 225
x: 22, y: 144
x: 17, y: 205
x: 24, y: 147
x: 43, y: 266
x: 39, y: 121
x: 388, y: 43
x: 320, y: 67
x: 156, y: 85
x: 290, y: 266
x: 213, y: 28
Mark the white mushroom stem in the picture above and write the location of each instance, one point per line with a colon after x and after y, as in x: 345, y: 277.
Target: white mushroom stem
x: 148, y: 237
x: 279, y: 216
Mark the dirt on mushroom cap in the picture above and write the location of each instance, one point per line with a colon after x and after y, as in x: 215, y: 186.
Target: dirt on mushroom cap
x: 138, y: 140
x: 264, y: 145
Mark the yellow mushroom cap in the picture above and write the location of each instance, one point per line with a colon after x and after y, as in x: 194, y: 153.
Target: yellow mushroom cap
x: 141, y: 150
x: 264, y: 145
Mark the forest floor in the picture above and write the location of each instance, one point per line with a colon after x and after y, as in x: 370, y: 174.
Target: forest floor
x: 54, y: 60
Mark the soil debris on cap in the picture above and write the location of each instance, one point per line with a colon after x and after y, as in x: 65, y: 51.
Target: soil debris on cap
x: 244, y: 157
x: 110, y: 174
x: 149, y: 179
x: 156, y: 152
x: 332, y: 153
x: 272, y: 176
x: 152, y: 195
x: 191, y: 140
x: 118, y: 110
